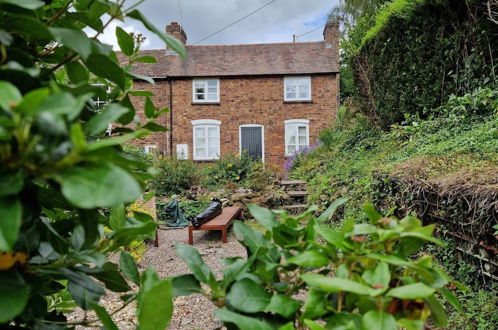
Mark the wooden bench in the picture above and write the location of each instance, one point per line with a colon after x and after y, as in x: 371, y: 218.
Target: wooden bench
x: 220, y: 222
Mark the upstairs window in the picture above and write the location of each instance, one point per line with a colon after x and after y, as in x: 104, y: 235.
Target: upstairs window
x: 206, y: 139
x: 296, y: 135
x: 206, y: 91
x: 297, y: 89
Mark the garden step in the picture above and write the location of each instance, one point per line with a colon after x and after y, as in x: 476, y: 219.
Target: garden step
x: 294, y: 193
x: 295, y: 206
x: 292, y: 182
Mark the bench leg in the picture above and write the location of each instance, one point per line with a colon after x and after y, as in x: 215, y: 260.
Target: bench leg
x: 190, y: 235
x: 224, y: 237
x: 156, y: 242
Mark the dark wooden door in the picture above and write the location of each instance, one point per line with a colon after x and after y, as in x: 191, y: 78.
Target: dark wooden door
x: 251, y: 140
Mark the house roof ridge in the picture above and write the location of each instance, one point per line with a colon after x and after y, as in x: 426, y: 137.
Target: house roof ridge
x: 260, y: 44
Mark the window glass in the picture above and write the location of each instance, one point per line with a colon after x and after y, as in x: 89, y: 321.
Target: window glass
x: 296, y: 137
x: 206, y: 142
x: 297, y: 89
x: 206, y: 90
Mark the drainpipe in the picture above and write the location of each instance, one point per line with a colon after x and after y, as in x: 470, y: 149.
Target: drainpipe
x: 170, y: 118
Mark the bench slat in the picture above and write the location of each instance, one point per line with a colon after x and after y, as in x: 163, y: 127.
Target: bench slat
x: 227, y: 215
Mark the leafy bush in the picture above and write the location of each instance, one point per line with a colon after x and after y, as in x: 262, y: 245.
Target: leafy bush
x: 139, y: 153
x: 359, y: 277
x: 58, y: 173
x: 261, y: 177
x: 230, y: 168
x: 174, y: 176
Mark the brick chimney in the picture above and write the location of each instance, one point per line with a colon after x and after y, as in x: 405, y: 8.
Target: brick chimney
x: 175, y: 30
x: 331, y: 37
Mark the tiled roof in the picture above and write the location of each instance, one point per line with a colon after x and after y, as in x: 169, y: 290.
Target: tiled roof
x: 242, y: 60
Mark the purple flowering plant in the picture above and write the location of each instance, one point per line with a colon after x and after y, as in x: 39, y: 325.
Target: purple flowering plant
x: 293, y: 160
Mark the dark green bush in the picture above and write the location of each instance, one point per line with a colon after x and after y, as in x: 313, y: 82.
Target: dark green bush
x: 229, y: 169
x: 174, y: 176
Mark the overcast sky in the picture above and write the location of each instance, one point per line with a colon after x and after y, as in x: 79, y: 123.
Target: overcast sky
x: 199, y: 18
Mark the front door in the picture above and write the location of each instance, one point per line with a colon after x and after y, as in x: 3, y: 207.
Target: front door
x: 251, y: 141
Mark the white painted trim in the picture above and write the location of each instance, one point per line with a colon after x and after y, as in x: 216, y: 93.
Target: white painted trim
x: 262, y: 139
x: 297, y: 99
x: 204, y: 123
x: 205, y: 101
x: 296, y: 122
x: 147, y: 148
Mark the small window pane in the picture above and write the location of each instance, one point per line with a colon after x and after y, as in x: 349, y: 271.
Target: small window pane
x: 302, y: 130
x: 213, y: 90
x: 213, y: 141
x: 212, y: 151
x: 199, y: 90
x: 199, y: 96
x: 212, y: 97
x: 303, y: 95
x: 291, y: 88
x: 213, y: 131
x: 302, y: 140
x: 200, y: 152
x: 291, y: 95
x: 292, y: 139
x: 213, y: 83
x: 291, y: 149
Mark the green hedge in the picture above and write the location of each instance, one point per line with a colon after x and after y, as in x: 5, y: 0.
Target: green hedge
x: 411, y: 62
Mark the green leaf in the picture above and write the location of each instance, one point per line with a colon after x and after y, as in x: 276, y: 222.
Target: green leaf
x: 437, y: 312
x: 287, y: 326
x: 83, y: 289
x: 314, y: 305
x: 379, y: 275
x: 117, y: 217
x: 31, y: 27
x: 185, y: 285
x: 9, y: 95
x: 129, y: 267
x: 27, y: 4
x: 333, y: 237
x: 241, y: 321
x: 100, y: 122
x: 451, y: 298
x: 264, y: 216
x: 344, y: 321
x: 140, y: 93
x: 78, y: 137
x: 103, y: 185
x: 411, y: 324
x: 155, y: 306
x: 251, y: 238
x: 171, y: 42
x: 194, y: 261
x: 11, y: 183
x: 313, y: 325
x: 283, y: 305
x: 412, y: 291
x: 329, y: 212
x: 32, y: 100
x: 112, y: 280
x: 310, y: 258
x: 390, y: 259
x: 104, y: 143
x: 372, y: 213
x: 422, y: 233
x: 335, y: 284
x: 128, y: 234
x: 103, y: 316
x: 125, y: 41
x: 153, y: 127
x: 376, y: 320
x: 14, y: 295
x: 146, y: 59
x: 74, y: 39
x: 247, y: 296
x: 104, y: 67
x: 149, y: 108
x: 10, y: 221
x: 77, y: 72
x: 234, y: 270
x: 141, y: 77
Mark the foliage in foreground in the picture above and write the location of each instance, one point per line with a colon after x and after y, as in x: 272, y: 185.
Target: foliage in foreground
x: 64, y: 188
x: 362, y: 276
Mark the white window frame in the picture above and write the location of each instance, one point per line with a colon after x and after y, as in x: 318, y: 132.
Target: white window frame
x: 292, y: 124
x: 205, y: 123
x: 148, y: 149
x: 262, y: 139
x: 183, y: 148
x: 205, y: 82
x: 287, y: 81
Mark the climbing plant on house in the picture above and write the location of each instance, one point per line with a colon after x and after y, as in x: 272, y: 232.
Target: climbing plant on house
x: 364, y: 276
x: 64, y: 187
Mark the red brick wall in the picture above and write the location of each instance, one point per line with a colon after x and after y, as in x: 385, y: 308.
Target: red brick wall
x: 244, y: 100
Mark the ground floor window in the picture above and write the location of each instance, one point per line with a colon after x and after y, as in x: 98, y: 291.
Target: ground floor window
x: 206, y: 139
x: 296, y: 135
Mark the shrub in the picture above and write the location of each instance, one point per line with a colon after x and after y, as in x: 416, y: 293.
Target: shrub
x: 261, y: 177
x: 359, y: 277
x: 229, y: 169
x: 139, y: 153
x: 174, y: 176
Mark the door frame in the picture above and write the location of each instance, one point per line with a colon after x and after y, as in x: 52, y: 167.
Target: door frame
x: 262, y: 139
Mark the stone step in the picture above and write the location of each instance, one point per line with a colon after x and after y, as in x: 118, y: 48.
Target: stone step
x: 296, y: 193
x: 295, y: 206
x: 292, y: 182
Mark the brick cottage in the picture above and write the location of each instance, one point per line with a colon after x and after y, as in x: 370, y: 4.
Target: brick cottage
x: 268, y: 99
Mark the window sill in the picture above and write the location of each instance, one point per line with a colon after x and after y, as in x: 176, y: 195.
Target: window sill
x: 298, y: 101
x: 206, y: 103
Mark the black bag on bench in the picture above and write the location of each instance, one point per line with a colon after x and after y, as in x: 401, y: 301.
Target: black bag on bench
x: 210, y: 212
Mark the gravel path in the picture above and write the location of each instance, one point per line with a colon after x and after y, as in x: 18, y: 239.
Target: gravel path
x: 192, y: 312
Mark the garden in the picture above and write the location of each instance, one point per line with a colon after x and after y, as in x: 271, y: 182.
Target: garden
x: 399, y: 186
